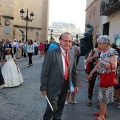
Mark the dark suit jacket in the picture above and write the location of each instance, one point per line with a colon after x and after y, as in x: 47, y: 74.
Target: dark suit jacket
x: 52, y: 76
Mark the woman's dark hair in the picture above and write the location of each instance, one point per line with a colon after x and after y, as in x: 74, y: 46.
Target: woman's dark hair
x: 113, y: 45
x: 30, y: 42
x: 96, y: 45
x: 118, y: 49
x: 6, y: 54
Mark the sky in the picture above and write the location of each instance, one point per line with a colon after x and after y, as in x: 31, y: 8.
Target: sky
x: 70, y: 11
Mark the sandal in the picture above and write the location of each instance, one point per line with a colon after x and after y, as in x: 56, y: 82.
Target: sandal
x: 98, y: 114
x: 74, y: 102
x: 100, y: 119
x: 98, y: 106
x: 89, y: 103
x: 119, y: 106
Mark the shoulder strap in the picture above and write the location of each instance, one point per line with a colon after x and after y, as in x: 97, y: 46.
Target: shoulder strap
x: 92, y: 52
x: 111, y: 67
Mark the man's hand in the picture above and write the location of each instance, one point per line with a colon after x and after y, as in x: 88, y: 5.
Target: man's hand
x: 76, y: 89
x: 44, y: 93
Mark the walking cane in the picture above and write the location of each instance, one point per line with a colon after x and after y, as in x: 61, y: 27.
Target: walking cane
x: 49, y: 103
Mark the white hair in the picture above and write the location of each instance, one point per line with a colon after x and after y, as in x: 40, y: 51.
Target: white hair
x: 104, y: 39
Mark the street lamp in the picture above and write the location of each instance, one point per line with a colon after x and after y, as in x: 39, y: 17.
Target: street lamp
x: 26, y: 18
x: 51, y: 34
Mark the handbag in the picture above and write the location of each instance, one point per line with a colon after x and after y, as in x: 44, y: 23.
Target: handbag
x: 108, y: 79
x: 89, y: 63
x: 88, y: 67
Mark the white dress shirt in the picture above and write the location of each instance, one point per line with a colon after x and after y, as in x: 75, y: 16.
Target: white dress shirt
x: 63, y: 58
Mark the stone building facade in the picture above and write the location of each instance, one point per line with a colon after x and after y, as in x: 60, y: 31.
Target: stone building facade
x: 104, y: 16
x: 110, y: 19
x: 93, y: 16
x: 11, y: 23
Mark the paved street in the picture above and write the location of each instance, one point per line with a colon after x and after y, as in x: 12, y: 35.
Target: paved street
x: 26, y: 102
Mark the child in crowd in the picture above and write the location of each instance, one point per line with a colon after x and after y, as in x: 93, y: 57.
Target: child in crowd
x: 72, y: 93
x: 10, y: 71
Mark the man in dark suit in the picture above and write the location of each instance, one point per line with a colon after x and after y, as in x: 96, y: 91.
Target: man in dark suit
x: 58, y: 71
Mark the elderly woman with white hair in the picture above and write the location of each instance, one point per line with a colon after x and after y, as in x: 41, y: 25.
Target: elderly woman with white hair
x: 108, y: 55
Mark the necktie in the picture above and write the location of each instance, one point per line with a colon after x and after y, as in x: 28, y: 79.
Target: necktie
x: 66, y: 75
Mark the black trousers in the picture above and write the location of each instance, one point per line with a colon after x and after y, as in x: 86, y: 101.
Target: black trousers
x: 91, y: 87
x: 57, y: 103
x: 24, y: 53
x: 14, y: 50
x: 30, y: 58
x: 36, y: 51
x: 1, y: 78
x: 77, y: 60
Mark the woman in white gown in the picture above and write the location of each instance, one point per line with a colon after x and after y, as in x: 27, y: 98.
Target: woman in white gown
x: 10, y: 71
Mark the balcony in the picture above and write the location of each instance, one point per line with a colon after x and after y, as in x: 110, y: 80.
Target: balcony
x: 109, y: 6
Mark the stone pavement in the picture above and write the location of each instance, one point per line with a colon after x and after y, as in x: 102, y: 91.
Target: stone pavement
x: 27, y: 103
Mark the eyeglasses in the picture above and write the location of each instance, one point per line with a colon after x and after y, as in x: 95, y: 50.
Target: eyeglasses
x: 67, y: 41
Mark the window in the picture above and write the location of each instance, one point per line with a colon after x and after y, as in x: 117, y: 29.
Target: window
x: 106, y: 28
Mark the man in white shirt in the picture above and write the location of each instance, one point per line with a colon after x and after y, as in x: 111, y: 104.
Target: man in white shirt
x: 14, y: 46
x: 35, y: 47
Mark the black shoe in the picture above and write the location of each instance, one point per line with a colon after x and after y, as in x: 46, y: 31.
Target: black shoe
x: 89, y: 103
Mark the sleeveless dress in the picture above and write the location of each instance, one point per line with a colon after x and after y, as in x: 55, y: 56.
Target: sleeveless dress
x: 106, y: 94
x: 11, y: 73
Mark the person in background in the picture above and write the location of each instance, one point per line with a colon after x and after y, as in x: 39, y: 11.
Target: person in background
x: 21, y: 48
x: 14, y: 46
x: 35, y: 48
x: 78, y: 54
x: 107, y: 56
x: 93, y: 58
x: 1, y: 77
x: 53, y: 45
x: 2, y: 45
x: 117, y: 92
x: 75, y: 50
x: 30, y: 51
x: 46, y: 45
x: 113, y: 45
x: 17, y: 50
x: 72, y: 93
x: 25, y: 49
x: 117, y: 87
x: 41, y: 49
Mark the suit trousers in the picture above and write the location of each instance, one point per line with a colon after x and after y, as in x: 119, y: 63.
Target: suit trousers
x: 91, y: 87
x: 57, y: 103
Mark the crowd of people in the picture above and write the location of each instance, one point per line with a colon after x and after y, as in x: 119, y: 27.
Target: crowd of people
x: 63, y: 59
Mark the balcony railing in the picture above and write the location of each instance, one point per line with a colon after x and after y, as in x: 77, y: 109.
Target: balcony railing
x: 109, y: 6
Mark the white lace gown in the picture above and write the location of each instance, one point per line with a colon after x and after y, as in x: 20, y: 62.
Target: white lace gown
x: 11, y: 73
